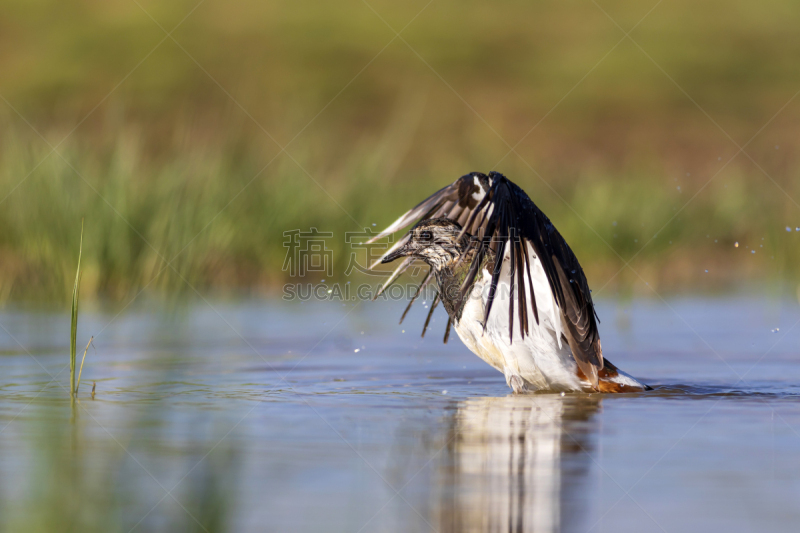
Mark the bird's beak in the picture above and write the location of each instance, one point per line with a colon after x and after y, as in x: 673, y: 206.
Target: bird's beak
x: 401, y: 252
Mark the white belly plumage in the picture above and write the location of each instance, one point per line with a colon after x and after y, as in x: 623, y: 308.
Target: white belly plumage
x: 543, y: 360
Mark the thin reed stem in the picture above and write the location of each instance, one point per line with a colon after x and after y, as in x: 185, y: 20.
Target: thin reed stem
x: 74, y: 328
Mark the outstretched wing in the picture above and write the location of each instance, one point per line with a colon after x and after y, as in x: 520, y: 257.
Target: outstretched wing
x: 505, y: 220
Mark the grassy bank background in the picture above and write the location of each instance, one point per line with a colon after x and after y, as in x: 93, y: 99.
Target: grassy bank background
x: 171, y: 149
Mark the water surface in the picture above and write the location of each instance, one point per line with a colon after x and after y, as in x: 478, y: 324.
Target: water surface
x: 267, y: 416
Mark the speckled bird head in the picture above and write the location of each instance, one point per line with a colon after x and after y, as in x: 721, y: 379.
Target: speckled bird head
x: 435, y: 241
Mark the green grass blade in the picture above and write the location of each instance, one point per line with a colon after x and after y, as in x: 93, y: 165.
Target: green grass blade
x: 74, y: 328
x: 80, y: 371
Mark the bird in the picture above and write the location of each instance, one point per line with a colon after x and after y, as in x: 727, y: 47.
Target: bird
x: 512, y: 287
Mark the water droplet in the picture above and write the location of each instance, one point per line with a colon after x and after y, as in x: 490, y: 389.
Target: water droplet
x: 614, y: 223
x: 444, y: 392
x: 788, y: 228
x: 736, y: 244
x: 706, y: 271
x: 679, y: 188
x: 563, y: 394
x: 374, y: 224
x: 752, y: 252
x: 357, y: 350
x: 403, y: 331
x: 323, y: 281
x: 573, y: 271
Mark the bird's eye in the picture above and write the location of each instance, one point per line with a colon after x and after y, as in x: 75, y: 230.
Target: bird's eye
x: 425, y: 236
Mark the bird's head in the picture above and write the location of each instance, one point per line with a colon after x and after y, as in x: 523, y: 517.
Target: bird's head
x: 435, y: 241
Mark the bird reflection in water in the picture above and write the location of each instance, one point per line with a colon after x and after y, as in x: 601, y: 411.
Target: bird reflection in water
x: 519, y: 463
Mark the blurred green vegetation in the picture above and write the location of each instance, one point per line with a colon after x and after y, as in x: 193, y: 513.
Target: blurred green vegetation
x: 171, y: 149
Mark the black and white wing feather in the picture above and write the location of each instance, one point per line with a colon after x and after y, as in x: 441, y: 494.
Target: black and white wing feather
x: 505, y: 220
